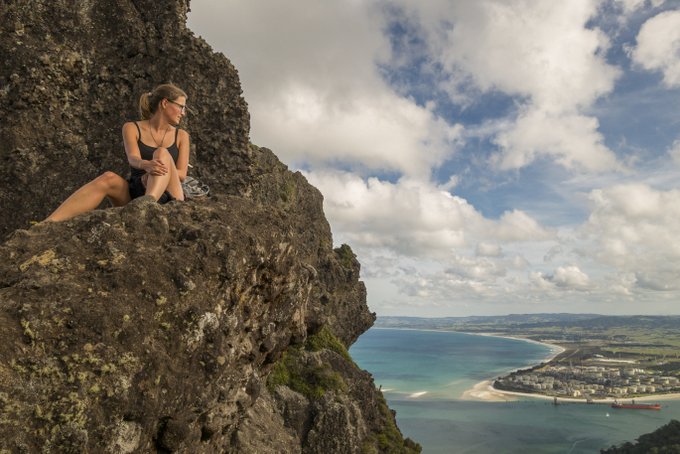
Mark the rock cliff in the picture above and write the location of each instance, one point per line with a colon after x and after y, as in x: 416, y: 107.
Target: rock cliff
x: 217, y: 325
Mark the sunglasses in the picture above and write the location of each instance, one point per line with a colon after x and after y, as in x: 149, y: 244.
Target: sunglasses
x: 183, y: 107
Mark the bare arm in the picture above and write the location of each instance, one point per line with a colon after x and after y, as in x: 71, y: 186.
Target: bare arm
x: 183, y: 158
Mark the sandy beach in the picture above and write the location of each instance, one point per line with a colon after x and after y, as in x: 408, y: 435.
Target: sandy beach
x: 484, y: 391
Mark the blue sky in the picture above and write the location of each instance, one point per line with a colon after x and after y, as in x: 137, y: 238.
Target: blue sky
x: 486, y: 157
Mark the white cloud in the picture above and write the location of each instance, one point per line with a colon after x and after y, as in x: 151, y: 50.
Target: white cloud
x: 311, y: 78
x: 635, y: 228
x: 571, y: 277
x: 409, y: 217
x: 516, y: 225
x: 442, y: 287
x: 658, y: 46
x: 519, y: 262
x: 540, y: 281
x: 541, y: 52
x: 481, y: 269
x: 371, y: 130
x: 416, y: 218
x: 552, y: 253
x: 489, y: 250
x: 572, y: 140
x: 628, y: 246
x: 428, y: 243
x: 675, y: 151
x: 564, y: 277
x: 316, y: 95
x: 559, y: 66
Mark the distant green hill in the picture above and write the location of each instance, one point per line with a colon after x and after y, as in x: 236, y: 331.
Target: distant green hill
x: 664, y: 440
x: 585, y: 321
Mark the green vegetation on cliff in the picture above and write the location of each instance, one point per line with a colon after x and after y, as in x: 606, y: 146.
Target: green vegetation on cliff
x: 664, y: 440
x: 302, y: 374
x: 307, y: 370
x: 390, y: 439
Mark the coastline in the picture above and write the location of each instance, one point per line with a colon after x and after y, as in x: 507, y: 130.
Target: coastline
x: 555, y: 349
x: 484, y: 391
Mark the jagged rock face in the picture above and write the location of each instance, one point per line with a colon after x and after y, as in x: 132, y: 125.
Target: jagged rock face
x: 71, y: 74
x: 341, y: 292
x: 154, y: 328
x: 147, y: 327
x: 148, y: 323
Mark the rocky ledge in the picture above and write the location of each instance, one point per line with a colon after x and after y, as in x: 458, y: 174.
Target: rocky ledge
x: 192, y: 327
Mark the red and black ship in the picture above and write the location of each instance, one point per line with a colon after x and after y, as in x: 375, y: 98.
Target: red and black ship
x: 634, y: 406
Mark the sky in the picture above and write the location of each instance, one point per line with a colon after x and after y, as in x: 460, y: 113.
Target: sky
x: 480, y: 157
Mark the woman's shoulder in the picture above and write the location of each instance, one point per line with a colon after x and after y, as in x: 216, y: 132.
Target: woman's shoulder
x: 181, y: 133
x: 131, y: 131
x: 134, y: 124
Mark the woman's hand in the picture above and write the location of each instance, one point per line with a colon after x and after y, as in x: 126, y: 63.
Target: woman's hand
x: 154, y: 167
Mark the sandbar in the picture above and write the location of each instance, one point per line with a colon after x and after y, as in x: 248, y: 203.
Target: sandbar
x: 485, y: 391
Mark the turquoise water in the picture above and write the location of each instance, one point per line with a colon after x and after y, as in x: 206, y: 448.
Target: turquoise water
x: 424, y: 373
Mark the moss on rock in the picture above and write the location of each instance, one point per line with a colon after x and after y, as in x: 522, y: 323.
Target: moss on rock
x: 325, y: 339
x: 302, y: 374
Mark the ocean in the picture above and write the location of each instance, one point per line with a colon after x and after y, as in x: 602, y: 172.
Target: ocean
x: 423, y: 375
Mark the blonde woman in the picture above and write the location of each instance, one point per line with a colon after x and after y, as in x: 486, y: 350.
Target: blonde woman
x: 157, y: 151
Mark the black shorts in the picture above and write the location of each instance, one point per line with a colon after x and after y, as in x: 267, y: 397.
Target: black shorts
x: 137, y: 189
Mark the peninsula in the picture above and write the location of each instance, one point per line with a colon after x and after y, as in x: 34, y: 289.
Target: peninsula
x: 604, y: 357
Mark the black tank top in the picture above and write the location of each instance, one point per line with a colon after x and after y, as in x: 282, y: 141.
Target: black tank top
x: 147, y: 152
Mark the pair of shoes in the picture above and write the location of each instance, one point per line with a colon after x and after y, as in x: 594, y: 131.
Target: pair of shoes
x: 194, y: 188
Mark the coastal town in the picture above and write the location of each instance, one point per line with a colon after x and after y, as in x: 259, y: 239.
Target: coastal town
x: 590, y: 382
x: 596, y: 358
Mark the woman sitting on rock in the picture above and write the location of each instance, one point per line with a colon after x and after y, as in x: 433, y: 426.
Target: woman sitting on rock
x: 158, y: 153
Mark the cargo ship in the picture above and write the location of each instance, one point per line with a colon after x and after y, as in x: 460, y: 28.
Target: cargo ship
x: 634, y: 406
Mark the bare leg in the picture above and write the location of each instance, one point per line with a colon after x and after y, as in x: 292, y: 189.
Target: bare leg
x: 156, y: 185
x: 174, y: 185
x: 89, y: 196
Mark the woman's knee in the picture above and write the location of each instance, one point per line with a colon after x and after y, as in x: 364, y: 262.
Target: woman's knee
x: 163, y: 155
x: 160, y: 153
x: 108, y: 180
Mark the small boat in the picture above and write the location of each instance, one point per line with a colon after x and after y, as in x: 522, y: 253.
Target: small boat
x: 634, y: 406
